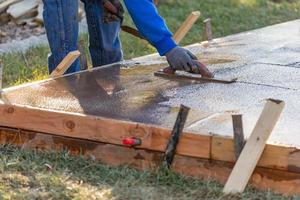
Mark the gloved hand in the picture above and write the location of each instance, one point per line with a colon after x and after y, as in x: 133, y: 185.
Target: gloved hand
x: 181, y: 59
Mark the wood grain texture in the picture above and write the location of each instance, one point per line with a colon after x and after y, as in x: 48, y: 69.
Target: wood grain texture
x: 65, y: 64
x: 254, y: 147
x: 114, y: 155
x: 186, y: 26
x: 153, y: 138
x: 100, y: 129
x: 273, y: 157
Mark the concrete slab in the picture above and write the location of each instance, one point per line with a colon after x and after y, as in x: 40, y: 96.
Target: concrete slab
x: 129, y: 91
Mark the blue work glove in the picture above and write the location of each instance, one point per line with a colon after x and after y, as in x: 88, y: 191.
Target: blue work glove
x: 181, y: 59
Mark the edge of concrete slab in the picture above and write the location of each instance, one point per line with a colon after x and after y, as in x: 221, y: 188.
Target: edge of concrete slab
x: 153, y: 138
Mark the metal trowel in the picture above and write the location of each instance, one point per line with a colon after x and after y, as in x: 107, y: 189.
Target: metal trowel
x: 199, y: 73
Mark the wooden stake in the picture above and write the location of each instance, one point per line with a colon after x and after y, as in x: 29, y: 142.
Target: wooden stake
x: 254, y: 147
x: 175, y: 135
x: 238, y: 134
x: 207, y: 30
x: 186, y: 26
x: 65, y: 64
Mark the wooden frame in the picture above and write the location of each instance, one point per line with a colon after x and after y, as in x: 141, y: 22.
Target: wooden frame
x: 153, y: 138
x: 115, y: 155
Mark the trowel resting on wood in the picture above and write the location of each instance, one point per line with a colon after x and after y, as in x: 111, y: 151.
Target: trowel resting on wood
x: 199, y: 73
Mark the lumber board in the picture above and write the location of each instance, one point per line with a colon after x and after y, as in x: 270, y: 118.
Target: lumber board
x: 153, y: 138
x: 21, y: 8
x: 4, y: 5
x: 100, y: 129
x: 114, y: 155
x: 64, y: 65
x: 254, y: 147
x: 273, y: 157
x: 186, y: 26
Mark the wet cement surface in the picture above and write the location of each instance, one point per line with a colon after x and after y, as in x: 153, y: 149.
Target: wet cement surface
x: 265, y: 61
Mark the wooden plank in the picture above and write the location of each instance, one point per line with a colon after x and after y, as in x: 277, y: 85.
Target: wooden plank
x: 207, y: 30
x: 186, y: 26
x: 274, y: 156
x: 154, y: 138
x: 4, y: 5
x: 191, y: 77
x: 21, y: 8
x: 254, y: 147
x: 100, y: 129
x: 65, y: 64
x: 114, y: 155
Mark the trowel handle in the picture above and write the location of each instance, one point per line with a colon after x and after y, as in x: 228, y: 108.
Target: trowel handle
x: 169, y: 70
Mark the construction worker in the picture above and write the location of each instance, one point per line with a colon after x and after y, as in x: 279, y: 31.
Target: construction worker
x: 61, y: 23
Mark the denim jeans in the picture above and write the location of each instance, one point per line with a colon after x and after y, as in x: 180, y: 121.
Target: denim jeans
x: 61, y: 23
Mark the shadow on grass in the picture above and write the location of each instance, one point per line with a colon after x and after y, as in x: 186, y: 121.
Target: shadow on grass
x: 47, y: 175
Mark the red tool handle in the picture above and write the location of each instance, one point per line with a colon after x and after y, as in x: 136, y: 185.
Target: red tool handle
x: 110, y: 7
x: 132, y: 141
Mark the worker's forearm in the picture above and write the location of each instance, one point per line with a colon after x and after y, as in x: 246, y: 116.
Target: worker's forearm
x: 150, y: 24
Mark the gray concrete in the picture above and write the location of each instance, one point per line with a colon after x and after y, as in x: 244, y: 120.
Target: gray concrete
x: 265, y: 61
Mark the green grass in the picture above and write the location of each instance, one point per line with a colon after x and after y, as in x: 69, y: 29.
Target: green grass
x: 228, y: 17
x: 47, y: 175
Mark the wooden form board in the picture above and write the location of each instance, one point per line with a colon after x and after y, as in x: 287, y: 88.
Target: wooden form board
x: 99, y: 129
x: 254, y: 147
x: 186, y: 26
x: 65, y: 64
x: 153, y: 138
x: 114, y: 155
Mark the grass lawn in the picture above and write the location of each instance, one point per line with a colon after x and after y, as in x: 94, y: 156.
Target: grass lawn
x: 46, y: 175
x: 27, y: 175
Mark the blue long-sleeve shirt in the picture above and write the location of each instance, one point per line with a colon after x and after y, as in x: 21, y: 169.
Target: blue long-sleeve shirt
x: 150, y: 24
